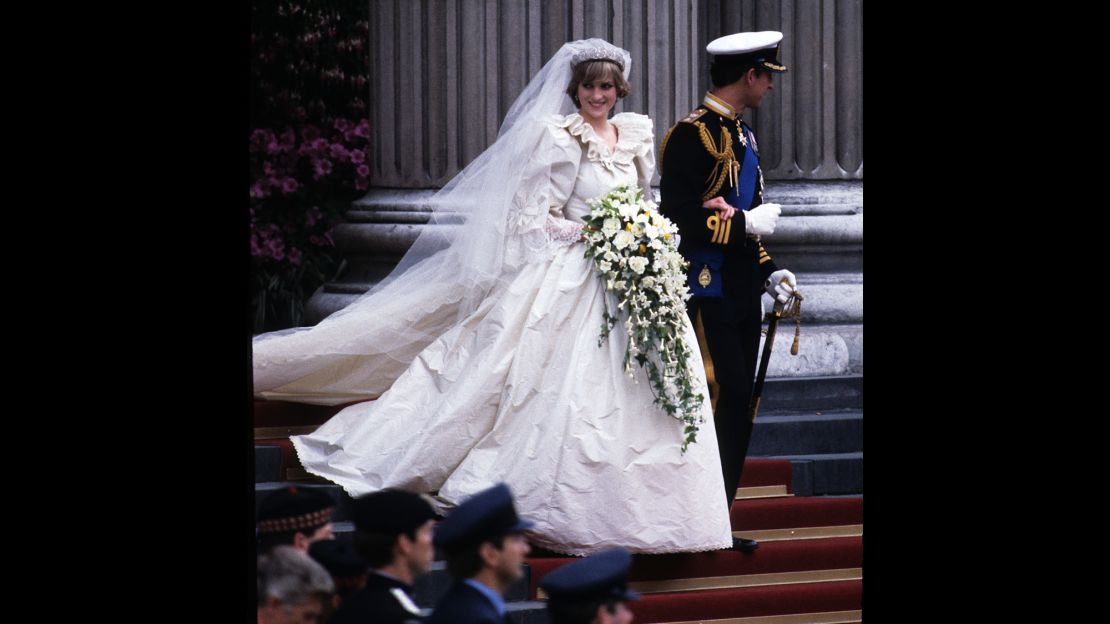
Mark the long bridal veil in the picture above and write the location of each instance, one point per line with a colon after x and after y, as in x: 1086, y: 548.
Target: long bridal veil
x: 484, y: 224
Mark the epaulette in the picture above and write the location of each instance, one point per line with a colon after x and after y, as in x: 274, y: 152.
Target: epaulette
x: 690, y: 118
x: 694, y: 114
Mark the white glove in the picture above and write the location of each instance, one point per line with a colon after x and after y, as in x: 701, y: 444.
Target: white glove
x: 761, y: 220
x: 776, y: 287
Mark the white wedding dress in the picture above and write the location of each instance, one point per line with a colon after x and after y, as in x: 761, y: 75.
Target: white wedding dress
x: 519, y: 391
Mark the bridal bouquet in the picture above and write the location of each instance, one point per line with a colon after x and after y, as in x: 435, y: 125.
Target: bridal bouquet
x: 634, y: 250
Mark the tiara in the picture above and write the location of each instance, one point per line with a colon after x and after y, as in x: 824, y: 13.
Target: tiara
x: 598, y: 54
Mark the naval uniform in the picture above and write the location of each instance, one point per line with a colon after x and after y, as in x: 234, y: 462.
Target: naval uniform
x: 713, y: 153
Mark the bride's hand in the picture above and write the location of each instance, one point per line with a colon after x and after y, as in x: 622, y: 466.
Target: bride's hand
x: 724, y: 210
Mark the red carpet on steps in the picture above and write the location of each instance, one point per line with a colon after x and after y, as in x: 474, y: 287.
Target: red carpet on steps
x: 785, y: 556
x: 783, y: 513
x: 759, y: 472
x: 749, y: 602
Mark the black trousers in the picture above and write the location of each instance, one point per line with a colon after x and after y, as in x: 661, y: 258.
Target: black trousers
x: 731, y: 330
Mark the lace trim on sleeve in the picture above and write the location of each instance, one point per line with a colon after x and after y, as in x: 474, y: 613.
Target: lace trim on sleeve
x: 561, y: 232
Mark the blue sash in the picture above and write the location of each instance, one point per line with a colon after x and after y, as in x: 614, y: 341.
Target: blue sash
x: 742, y: 196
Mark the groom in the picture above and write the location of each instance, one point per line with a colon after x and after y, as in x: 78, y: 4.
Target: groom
x: 712, y: 188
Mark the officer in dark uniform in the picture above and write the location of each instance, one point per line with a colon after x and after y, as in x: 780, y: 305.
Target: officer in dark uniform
x: 485, y: 548
x: 347, y: 569
x: 712, y: 188
x: 593, y: 590
x: 393, y: 534
x: 294, y: 516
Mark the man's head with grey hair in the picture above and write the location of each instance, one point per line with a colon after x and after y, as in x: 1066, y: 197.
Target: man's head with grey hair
x: 292, y: 588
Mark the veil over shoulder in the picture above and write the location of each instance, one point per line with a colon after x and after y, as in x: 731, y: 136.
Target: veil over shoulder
x: 464, y: 251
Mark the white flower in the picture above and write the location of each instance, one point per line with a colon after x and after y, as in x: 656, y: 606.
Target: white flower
x: 610, y: 227
x: 648, y: 282
x: 652, y: 231
x: 638, y: 264
x: 621, y: 285
x: 637, y: 230
x: 610, y: 256
x: 657, y: 245
x: 605, y: 266
x: 623, y: 239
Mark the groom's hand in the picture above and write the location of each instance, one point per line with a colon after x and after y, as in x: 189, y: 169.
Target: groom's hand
x: 724, y: 210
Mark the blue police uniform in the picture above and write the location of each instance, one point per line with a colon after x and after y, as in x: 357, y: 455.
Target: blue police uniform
x: 482, y: 517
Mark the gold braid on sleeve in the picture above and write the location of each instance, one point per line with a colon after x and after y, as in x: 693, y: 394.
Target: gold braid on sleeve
x: 726, y: 168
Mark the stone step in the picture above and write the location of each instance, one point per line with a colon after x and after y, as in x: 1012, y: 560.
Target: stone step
x: 789, y: 366
x: 838, y: 431
x: 385, y: 239
x: 834, y: 192
x: 820, y: 352
x: 812, y: 393
x: 807, y: 278
x: 817, y: 243
x: 393, y: 238
x: 817, y: 257
x: 401, y: 200
x: 827, y: 302
x: 796, y: 198
x: 816, y: 230
x: 812, y: 210
x: 824, y: 474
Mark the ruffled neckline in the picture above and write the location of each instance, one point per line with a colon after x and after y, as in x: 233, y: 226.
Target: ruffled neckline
x: 633, y: 138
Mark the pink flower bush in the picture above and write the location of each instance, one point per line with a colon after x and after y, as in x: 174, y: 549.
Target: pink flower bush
x: 308, y: 146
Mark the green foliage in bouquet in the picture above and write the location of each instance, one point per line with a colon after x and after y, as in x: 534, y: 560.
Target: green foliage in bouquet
x: 634, y: 250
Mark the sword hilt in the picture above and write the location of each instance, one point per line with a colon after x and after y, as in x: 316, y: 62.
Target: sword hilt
x: 792, y: 308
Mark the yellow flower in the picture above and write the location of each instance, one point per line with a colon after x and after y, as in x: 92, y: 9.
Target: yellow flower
x: 666, y: 237
x: 642, y: 249
x: 628, y: 226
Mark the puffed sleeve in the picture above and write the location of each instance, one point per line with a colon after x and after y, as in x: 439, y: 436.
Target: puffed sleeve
x: 638, y: 138
x: 536, y: 219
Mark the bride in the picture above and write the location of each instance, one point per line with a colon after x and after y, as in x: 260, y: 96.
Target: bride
x: 481, y: 347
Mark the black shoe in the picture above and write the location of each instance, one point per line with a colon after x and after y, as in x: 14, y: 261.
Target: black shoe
x: 743, y: 544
